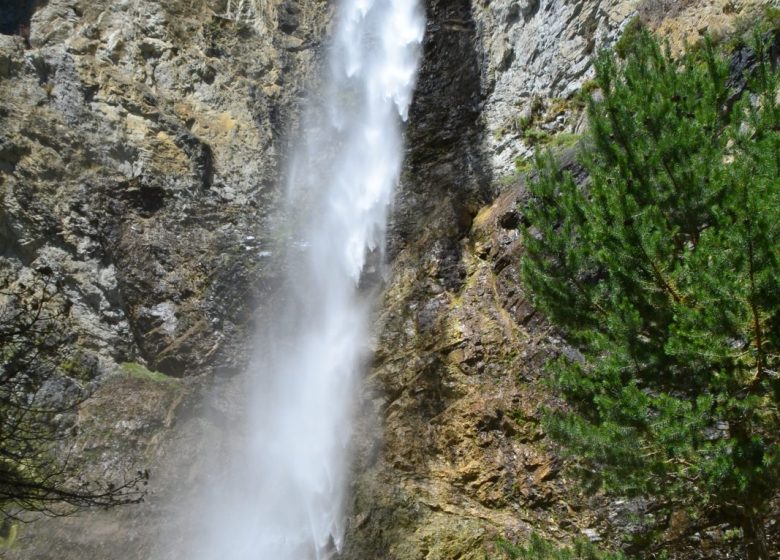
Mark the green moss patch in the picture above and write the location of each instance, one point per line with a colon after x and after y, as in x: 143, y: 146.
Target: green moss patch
x: 138, y: 371
x: 8, y: 533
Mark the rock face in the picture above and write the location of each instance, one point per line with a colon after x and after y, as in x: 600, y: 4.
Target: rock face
x: 140, y: 150
x: 538, y: 50
x: 536, y: 54
x: 141, y: 144
x: 458, y: 458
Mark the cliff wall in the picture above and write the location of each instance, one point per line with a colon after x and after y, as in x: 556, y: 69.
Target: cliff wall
x: 141, y: 147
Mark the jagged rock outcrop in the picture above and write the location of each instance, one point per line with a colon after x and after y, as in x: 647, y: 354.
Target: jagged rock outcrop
x: 140, y: 152
x: 536, y: 51
x: 536, y: 54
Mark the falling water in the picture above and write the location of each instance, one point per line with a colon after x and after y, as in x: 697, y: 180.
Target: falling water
x: 285, y: 496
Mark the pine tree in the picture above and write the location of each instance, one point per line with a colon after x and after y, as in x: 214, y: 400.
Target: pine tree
x: 664, y: 270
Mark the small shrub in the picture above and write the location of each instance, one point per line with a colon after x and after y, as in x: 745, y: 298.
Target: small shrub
x: 523, y: 164
x: 580, y: 99
x: 766, y: 21
x: 558, y: 106
x: 521, y: 123
x: 536, y: 136
x: 537, y: 105
x: 589, y: 87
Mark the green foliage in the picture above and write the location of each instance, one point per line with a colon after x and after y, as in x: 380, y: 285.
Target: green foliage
x: 664, y: 271
x: 536, y: 136
x: 558, y: 106
x: 138, y: 371
x: 764, y: 22
x: 581, y: 97
x: 541, y: 549
x: 589, y: 87
x: 771, y: 18
x: 523, y: 164
x: 537, y: 105
x: 564, y: 140
x: 632, y: 33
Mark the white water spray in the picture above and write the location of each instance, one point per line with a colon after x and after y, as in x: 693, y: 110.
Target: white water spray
x: 284, y: 499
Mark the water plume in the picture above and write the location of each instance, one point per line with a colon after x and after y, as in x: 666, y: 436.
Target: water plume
x: 283, y: 498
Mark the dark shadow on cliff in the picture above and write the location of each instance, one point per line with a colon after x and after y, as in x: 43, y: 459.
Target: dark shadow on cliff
x: 445, y: 179
x: 15, y: 16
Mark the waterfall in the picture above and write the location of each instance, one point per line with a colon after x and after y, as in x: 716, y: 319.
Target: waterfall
x: 284, y: 497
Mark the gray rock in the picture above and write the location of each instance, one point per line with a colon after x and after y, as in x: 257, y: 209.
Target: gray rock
x: 552, y: 42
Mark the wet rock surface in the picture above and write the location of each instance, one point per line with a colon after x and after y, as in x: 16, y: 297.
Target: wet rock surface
x: 460, y: 457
